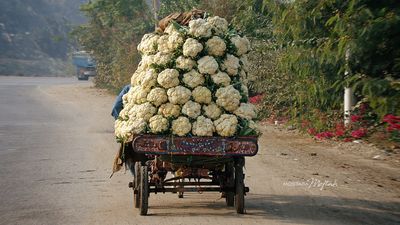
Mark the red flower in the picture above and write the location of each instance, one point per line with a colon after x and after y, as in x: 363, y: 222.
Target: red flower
x: 391, y: 119
x: 340, y: 130
x: 312, y: 131
x: 359, y: 133
x: 355, y: 118
x: 324, y: 135
x: 256, y: 99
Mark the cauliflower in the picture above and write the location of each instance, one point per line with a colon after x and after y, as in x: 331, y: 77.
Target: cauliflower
x: 163, y: 44
x: 246, y: 111
x: 192, y: 47
x: 243, y: 77
x: 126, y: 98
x: 191, y: 109
x: 207, y: 65
x: 125, y: 129
x: 253, y: 125
x: 181, y: 126
x: 212, y: 111
x: 218, y: 25
x: 162, y: 59
x: 138, y: 94
x: 201, y: 94
x: 184, y: 63
x: 199, y: 28
x: 203, y: 127
x: 158, y: 124
x: 231, y: 65
x: 226, y: 125
x: 137, y: 125
x: 193, y: 79
x: 175, y: 40
x: 245, y: 63
x: 144, y: 111
x: 148, y: 45
x: 169, y: 110
x: 145, y: 63
x: 157, y: 96
x: 168, y: 78
x: 245, y: 90
x: 228, y: 98
x: 216, y: 46
x: 221, y: 79
x: 170, y: 29
x: 242, y: 45
x: 148, y: 79
x: 179, y: 95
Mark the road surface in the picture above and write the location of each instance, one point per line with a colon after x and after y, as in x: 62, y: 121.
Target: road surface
x: 57, y: 147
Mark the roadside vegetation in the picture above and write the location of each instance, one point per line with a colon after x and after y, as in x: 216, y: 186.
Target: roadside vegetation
x: 304, y: 54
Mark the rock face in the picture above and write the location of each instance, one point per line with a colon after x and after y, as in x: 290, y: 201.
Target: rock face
x: 34, y: 34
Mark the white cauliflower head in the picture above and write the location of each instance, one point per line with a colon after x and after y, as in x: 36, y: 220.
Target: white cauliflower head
x: 203, y: 127
x: 192, y: 47
x: 169, y: 110
x: 216, y: 46
x: 226, y: 125
x: 181, y: 126
x: 228, y: 98
x: 242, y: 45
x: 158, y: 124
x: 221, y: 79
x: 199, y: 28
x: 144, y: 111
x: 124, y: 129
x: 244, y: 60
x: 207, y: 65
x: 138, y: 94
x: 175, y: 40
x: 162, y: 44
x: 246, y: 111
x: 212, y: 111
x: 218, y: 25
x: 157, y: 96
x: 191, y: 109
x: 202, y: 94
x: 185, y: 63
x: 231, y: 65
x: 162, y: 59
x: 179, y: 95
x: 148, y: 79
x: 193, y: 79
x: 148, y: 45
x: 253, y: 125
x: 168, y: 78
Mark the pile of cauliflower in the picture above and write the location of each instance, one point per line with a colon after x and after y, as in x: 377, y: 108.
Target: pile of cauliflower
x: 191, y: 81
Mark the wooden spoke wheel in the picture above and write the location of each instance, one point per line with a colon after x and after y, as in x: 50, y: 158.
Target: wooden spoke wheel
x: 143, y: 190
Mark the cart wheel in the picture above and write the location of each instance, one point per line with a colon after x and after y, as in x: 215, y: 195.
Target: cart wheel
x: 239, y: 186
x: 136, y: 181
x: 144, y: 190
x: 229, y: 183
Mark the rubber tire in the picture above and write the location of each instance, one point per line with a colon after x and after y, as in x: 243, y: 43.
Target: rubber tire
x: 229, y: 196
x: 144, y: 190
x: 136, y: 196
x: 239, y: 187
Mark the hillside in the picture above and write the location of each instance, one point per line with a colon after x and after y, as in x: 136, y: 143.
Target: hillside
x: 34, y: 36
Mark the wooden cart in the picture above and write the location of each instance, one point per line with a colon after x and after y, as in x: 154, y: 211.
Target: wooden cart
x: 194, y: 164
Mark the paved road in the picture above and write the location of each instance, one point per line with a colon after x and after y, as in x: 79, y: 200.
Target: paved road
x: 57, y: 145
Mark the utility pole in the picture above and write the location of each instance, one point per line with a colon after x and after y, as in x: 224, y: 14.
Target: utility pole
x: 348, y: 95
x: 156, y: 3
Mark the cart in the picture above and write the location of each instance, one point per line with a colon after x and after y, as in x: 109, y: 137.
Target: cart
x: 191, y: 164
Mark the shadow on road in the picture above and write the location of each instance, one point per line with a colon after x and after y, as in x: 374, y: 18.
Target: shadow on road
x: 297, y: 209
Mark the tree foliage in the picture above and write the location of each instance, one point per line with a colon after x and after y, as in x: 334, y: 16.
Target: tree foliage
x: 114, y: 29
